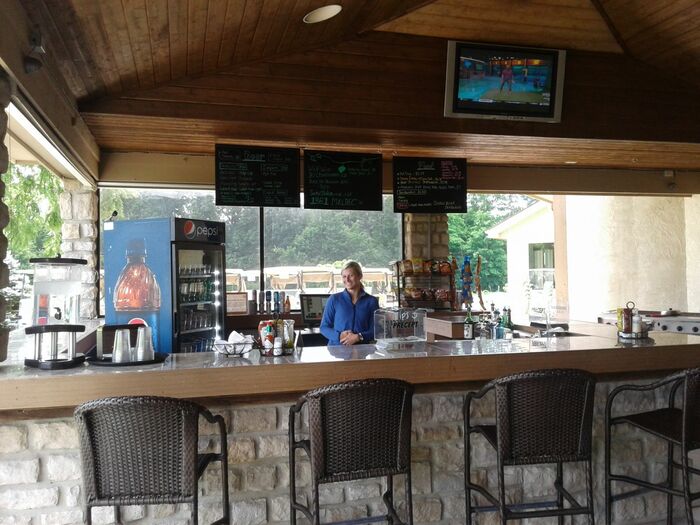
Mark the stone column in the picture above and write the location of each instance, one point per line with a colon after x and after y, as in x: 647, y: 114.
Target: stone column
x: 5, y: 93
x: 426, y: 235
x: 78, y: 206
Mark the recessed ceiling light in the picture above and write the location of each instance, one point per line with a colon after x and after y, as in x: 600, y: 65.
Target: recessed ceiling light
x: 322, y: 13
x: 570, y: 162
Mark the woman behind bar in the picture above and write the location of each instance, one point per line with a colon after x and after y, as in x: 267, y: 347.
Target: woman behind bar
x: 348, y: 317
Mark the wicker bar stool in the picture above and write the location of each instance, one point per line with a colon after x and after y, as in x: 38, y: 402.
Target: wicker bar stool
x: 359, y: 429
x: 679, y: 427
x: 143, y: 450
x: 542, y: 416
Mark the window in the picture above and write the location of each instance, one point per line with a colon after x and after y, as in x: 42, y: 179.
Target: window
x: 303, y: 249
x: 541, y: 264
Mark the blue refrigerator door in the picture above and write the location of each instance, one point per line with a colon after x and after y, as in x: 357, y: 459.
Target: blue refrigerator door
x: 137, y: 276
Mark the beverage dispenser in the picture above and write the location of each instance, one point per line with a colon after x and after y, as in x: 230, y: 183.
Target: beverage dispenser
x: 57, y: 286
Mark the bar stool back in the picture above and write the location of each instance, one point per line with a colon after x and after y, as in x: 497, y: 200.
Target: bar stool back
x: 542, y: 416
x: 358, y: 429
x: 143, y: 450
x: 679, y: 427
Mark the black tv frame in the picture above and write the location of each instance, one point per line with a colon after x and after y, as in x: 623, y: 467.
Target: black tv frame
x: 452, y: 78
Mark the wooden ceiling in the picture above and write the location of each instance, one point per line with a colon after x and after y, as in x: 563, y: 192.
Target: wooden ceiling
x: 106, y: 47
x: 180, y: 75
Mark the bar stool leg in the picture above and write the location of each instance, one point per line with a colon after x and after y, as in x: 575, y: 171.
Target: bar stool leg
x: 317, y: 512
x: 686, y: 488
x: 118, y: 515
x: 467, y: 475
x: 292, y: 470
x: 409, y: 497
x: 195, y: 510
x: 389, y: 499
x: 560, y: 498
x: 608, y: 495
x: 669, y: 483
x: 589, y: 483
x: 502, y: 492
x: 88, y: 515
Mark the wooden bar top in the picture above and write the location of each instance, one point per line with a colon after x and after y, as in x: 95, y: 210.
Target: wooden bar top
x: 440, y: 364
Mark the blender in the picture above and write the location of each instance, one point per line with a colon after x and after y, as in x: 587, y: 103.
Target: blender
x: 57, y: 286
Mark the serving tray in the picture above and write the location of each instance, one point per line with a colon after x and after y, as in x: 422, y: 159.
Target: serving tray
x: 107, y: 361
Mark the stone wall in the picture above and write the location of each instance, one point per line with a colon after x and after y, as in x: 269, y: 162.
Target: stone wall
x: 426, y: 235
x: 78, y: 205
x: 40, y: 471
x: 5, y: 92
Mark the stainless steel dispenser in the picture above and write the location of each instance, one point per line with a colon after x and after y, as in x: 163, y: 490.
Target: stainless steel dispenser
x: 57, y: 285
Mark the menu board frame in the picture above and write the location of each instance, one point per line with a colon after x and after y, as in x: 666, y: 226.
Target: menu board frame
x: 410, y: 175
x: 256, y: 176
x: 354, y: 191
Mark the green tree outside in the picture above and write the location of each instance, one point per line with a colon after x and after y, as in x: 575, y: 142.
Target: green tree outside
x: 467, y: 233
x: 31, y: 195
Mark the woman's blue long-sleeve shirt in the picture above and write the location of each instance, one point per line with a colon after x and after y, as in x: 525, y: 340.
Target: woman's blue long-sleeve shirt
x: 340, y: 315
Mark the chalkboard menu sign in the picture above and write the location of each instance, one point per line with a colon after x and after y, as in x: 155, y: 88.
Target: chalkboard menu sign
x: 342, y: 181
x: 252, y: 176
x: 429, y: 185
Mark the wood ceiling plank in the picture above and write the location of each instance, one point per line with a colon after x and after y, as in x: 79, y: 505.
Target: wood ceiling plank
x: 82, y: 27
x: 249, y: 24
x: 158, y: 28
x: 569, y: 24
x: 637, y: 16
x: 300, y: 8
x: 267, y: 27
x: 665, y: 32
x: 78, y: 76
x: 285, y: 11
x: 178, y: 29
x: 114, y: 27
x: 319, y: 85
x: 196, y: 31
x: 139, y: 35
x: 216, y: 18
x: 116, y: 132
x: 415, y: 104
x: 232, y: 27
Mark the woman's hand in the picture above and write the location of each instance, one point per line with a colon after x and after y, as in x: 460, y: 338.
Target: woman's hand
x: 349, y: 338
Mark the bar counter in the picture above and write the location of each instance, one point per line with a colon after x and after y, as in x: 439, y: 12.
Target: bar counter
x: 40, y: 479
x: 431, y: 366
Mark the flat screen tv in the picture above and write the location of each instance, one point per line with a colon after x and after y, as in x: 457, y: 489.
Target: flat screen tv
x: 504, y: 82
x: 312, y: 306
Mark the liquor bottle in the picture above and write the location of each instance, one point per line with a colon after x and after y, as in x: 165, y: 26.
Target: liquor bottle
x: 469, y: 324
x: 287, y: 305
x: 137, y: 293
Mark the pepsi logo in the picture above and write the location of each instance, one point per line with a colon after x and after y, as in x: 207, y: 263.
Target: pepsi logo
x: 190, y: 230
x: 137, y: 320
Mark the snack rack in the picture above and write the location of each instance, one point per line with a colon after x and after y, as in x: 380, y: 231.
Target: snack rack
x: 425, y: 283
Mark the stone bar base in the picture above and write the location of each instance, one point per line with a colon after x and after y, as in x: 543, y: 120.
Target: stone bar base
x: 40, y: 471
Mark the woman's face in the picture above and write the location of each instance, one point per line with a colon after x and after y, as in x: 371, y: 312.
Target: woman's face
x: 351, y: 280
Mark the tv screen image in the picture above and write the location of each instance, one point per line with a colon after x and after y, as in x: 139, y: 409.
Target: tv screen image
x: 504, y: 82
x: 312, y: 306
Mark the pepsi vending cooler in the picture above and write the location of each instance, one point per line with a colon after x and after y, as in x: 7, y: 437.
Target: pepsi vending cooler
x: 170, y: 275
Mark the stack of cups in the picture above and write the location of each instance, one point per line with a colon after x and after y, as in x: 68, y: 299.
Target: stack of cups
x: 121, y: 351
x: 144, y: 344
